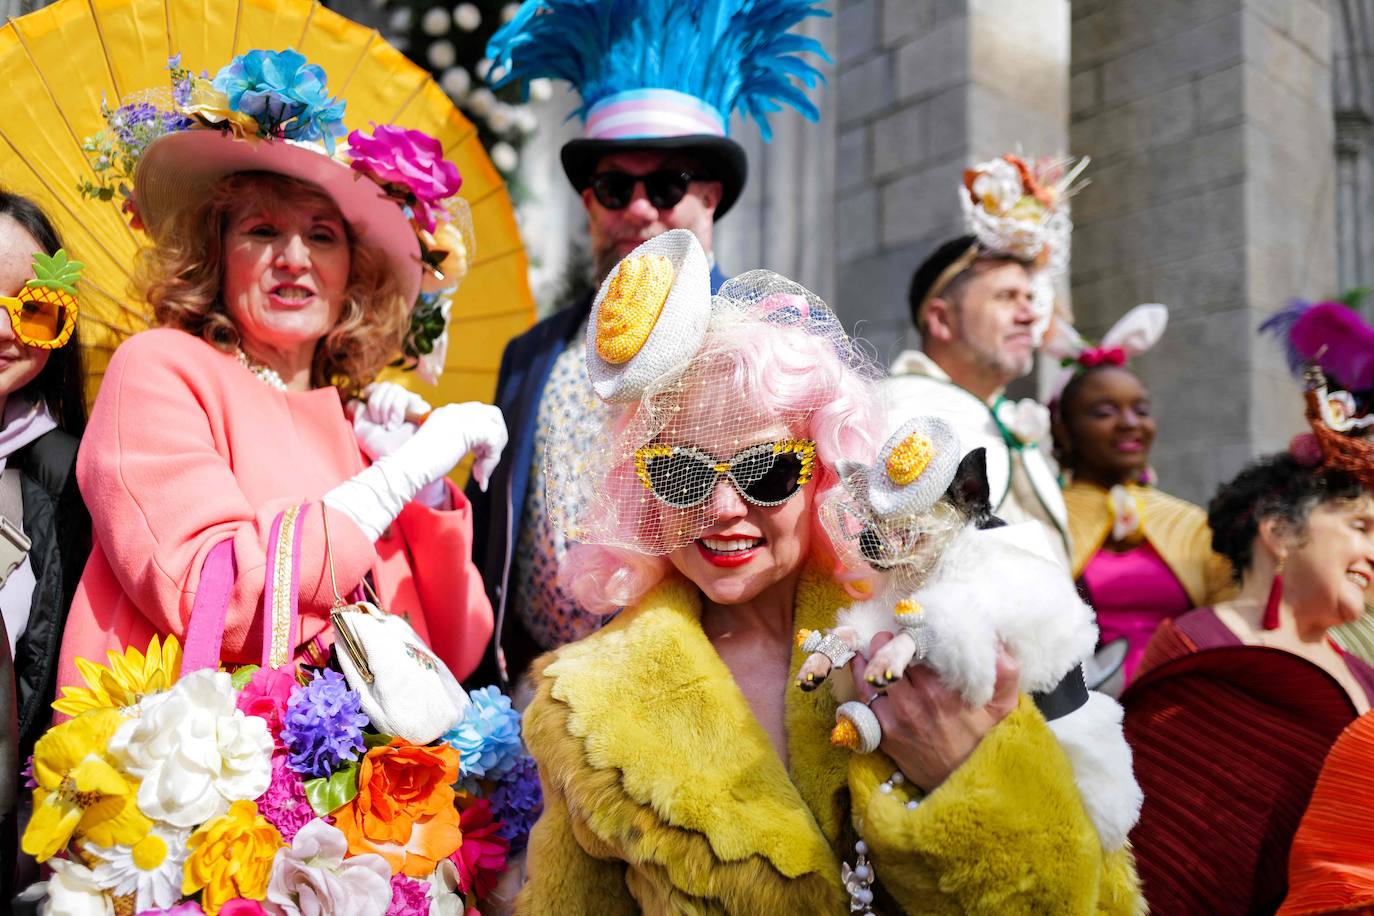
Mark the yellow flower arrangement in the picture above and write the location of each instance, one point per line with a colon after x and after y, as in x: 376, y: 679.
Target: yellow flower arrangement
x: 130, y: 676
x: 81, y: 793
x: 231, y: 856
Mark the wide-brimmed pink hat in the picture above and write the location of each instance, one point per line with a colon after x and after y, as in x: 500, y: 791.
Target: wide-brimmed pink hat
x: 270, y: 111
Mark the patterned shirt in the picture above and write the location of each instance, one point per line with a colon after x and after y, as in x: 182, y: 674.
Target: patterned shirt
x: 548, y: 613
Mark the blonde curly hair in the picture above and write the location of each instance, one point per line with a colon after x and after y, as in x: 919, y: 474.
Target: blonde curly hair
x: 182, y: 277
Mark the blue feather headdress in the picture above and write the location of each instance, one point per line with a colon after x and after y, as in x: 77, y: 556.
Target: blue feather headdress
x: 664, y: 68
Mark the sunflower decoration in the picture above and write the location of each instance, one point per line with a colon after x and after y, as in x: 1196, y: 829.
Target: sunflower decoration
x: 130, y: 676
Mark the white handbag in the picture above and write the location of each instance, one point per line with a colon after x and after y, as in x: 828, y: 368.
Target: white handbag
x: 405, y: 689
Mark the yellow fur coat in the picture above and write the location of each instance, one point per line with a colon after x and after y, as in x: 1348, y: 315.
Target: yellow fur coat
x: 663, y: 794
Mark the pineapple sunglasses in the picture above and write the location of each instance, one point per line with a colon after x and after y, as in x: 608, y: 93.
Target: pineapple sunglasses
x: 43, y: 315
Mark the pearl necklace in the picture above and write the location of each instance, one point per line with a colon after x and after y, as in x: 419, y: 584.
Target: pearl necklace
x: 267, y: 375
x: 858, y: 879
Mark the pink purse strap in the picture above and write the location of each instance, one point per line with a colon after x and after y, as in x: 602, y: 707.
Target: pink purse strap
x: 280, y: 597
x: 205, y: 629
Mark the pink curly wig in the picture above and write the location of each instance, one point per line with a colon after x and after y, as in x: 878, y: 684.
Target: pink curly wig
x: 783, y: 373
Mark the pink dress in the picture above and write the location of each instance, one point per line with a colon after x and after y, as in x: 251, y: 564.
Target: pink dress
x: 186, y: 448
x: 1133, y: 592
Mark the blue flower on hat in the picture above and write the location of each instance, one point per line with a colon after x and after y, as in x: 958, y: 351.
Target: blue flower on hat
x: 284, y: 94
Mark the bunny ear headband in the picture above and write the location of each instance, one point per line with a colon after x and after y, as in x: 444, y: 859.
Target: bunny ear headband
x: 666, y: 354
x: 1133, y: 334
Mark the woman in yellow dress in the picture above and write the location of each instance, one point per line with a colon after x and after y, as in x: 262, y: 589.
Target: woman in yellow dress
x: 1140, y: 555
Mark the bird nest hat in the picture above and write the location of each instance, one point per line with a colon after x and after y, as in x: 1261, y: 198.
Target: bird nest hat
x: 664, y: 74
x: 691, y: 383
x: 271, y: 111
x: 1330, y: 347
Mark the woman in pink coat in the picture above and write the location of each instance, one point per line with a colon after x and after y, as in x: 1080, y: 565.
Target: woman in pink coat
x: 282, y: 281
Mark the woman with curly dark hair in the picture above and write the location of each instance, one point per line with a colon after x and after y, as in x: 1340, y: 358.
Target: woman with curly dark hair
x: 1237, y: 704
x: 1303, y: 540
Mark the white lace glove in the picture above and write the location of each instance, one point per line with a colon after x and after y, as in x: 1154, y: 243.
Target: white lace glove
x: 374, y: 497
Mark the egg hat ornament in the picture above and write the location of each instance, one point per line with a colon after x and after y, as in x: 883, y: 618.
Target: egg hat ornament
x: 170, y: 95
x: 664, y: 74
x: 1133, y: 334
x: 649, y: 317
x: 914, y: 468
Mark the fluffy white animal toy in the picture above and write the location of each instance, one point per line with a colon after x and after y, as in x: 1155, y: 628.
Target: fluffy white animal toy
x: 953, y: 582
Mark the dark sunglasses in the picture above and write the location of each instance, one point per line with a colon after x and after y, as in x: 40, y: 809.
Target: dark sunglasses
x: 767, y: 474
x: 664, y: 187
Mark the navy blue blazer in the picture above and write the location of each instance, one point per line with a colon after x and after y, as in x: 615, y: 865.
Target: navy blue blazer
x: 496, y: 514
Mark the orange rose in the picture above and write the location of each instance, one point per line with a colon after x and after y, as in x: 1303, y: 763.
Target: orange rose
x: 404, y: 810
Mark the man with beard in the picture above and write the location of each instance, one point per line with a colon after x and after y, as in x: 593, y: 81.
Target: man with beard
x: 975, y: 310
x: 654, y: 156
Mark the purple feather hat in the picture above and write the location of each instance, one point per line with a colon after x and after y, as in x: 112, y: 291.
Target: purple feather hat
x: 1330, y: 334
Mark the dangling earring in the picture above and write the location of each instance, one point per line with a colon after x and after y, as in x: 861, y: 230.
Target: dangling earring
x: 1271, y: 607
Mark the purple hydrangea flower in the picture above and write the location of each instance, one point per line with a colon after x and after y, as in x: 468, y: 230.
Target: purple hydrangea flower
x: 517, y: 801
x: 130, y: 121
x: 488, y: 736
x: 323, y: 725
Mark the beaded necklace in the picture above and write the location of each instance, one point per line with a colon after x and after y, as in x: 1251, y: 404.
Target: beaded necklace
x: 267, y: 375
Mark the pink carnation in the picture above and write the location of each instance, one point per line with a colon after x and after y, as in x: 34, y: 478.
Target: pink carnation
x: 411, y: 159
x: 1306, y: 450
x: 284, y: 804
x: 482, y: 857
x: 266, y: 695
x: 241, y: 907
x: 408, y: 897
x: 188, y: 908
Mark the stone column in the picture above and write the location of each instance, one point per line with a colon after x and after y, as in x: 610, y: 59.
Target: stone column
x: 927, y: 87
x: 1210, y: 125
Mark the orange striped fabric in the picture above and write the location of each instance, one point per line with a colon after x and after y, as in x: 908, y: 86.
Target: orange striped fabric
x: 1331, y: 868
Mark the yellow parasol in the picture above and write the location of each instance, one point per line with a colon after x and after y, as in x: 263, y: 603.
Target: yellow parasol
x: 59, y: 62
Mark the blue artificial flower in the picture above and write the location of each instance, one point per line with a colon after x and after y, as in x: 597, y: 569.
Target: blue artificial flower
x: 487, y: 738
x: 284, y: 94
x: 323, y: 725
x: 517, y: 801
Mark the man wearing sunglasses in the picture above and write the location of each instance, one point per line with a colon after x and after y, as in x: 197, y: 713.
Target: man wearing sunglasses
x: 652, y: 158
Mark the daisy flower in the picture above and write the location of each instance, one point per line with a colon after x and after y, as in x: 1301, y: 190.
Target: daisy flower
x: 151, y: 869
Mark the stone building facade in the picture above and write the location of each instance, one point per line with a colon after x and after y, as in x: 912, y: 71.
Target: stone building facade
x: 1232, y: 170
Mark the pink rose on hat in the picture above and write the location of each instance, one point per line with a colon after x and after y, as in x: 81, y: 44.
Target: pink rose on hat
x: 412, y: 160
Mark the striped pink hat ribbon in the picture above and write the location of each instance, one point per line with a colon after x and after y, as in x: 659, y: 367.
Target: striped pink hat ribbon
x: 646, y: 113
